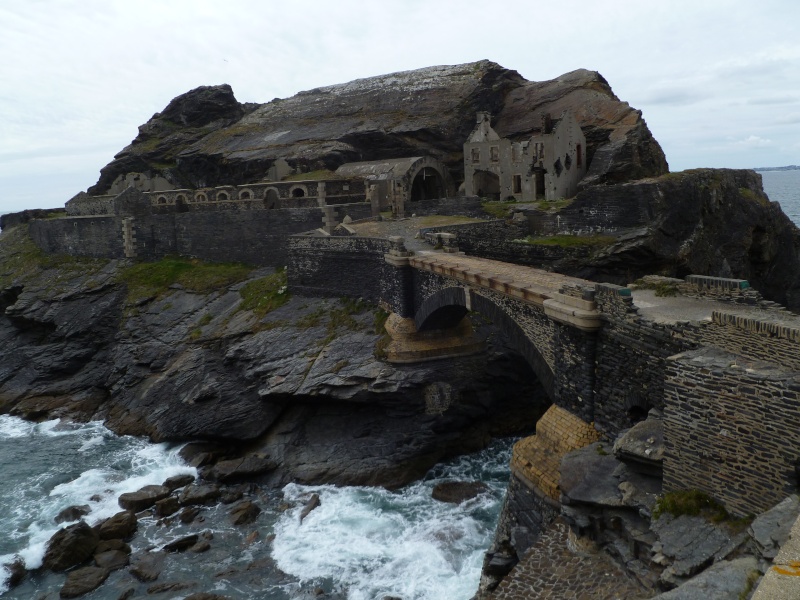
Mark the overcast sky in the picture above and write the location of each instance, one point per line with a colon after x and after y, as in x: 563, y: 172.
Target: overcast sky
x: 718, y: 82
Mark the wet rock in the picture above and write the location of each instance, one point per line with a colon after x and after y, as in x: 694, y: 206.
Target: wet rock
x: 244, y: 513
x: 111, y: 559
x: 456, y: 492
x: 121, y: 526
x: 173, y: 586
x: 178, y: 481
x: 310, y: 505
x: 70, y: 547
x: 72, y: 513
x: 189, y: 514
x: 82, y: 581
x: 200, y: 546
x: 167, y: 506
x: 205, y: 596
x: 642, y: 446
x: 106, y: 545
x: 181, y: 544
x: 127, y: 594
x: 724, y: 580
x: 238, y: 469
x: 16, y: 572
x: 771, y: 529
x: 231, y: 495
x: 199, y: 494
x: 147, y: 567
x: 143, y: 498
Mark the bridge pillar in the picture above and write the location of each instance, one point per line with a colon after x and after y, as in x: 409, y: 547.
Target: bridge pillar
x: 574, y: 371
x: 409, y: 345
x: 397, y: 285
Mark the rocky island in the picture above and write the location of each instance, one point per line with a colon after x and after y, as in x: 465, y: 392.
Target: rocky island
x: 303, y: 291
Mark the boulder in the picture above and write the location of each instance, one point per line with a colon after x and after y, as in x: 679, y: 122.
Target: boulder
x: 244, y: 512
x: 170, y: 586
x: 82, y: 581
x: 16, y: 572
x: 111, y: 559
x: 106, y: 545
x: 199, y: 494
x: 167, y: 506
x: 238, y: 469
x: 189, y: 514
x: 310, y: 505
x: 771, y: 529
x: 178, y: 481
x: 181, y: 544
x: 72, y: 513
x: 121, y: 526
x: 642, y: 447
x: 147, y: 567
x: 588, y: 477
x: 143, y: 498
x: 725, y: 580
x: 70, y: 547
x: 456, y: 492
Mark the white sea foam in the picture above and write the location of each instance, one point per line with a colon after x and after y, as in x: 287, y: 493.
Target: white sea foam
x: 69, y: 464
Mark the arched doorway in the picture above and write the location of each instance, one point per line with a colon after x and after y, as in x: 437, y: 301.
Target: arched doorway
x: 271, y: 199
x: 486, y: 185
x: 428, y: 185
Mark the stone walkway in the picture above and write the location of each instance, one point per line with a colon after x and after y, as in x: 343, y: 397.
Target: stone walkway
x: 550, y: 570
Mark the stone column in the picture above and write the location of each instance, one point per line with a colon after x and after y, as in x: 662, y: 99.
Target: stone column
x: 397, y: 287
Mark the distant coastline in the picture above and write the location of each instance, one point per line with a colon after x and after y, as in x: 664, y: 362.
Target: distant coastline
x: 787, y: 168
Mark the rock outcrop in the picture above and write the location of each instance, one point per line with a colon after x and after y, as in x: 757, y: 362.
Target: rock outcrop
x: 206, y: 138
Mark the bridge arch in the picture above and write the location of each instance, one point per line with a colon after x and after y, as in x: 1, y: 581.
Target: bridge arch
x: 448, y: 306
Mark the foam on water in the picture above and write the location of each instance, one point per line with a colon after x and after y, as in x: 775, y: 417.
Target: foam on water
x: 372, y: 542
x: 52, y: 465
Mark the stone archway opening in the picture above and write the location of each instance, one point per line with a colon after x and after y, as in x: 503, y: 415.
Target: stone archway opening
x: 486, y: 185
x: 428, y: 184
x: 271, y: 199
x: 298, y: 192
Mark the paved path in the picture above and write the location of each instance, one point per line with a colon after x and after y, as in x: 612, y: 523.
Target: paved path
x: 551, y: 571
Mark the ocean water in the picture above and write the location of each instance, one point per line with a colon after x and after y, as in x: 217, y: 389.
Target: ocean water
x: 361, y: 543
x: 784, y: 187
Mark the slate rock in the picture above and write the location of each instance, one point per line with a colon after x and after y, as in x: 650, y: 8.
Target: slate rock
x: 456, y: 492
x: 167, y: 506
x: 70, y: 547
x: 771, y: 529
x: 238, y: 469
x: 120, y: 526
x: 199, y: 494
x: 147, y: 567
x: 589, y: 476
x: 724, y: 580
x: 178, y: 481
x: 144, y: 498
x: 244, y: 512
x: 82, y: 581
x: 181, y: 544
x: 692, y: 542
x: 72, y: 513
x: 642, y: 446
x: 111, y: 559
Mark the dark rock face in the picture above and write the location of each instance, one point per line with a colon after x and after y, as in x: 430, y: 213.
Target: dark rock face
x: 207, y: 138
x: 82, y: 581
x: 72, y: 513
x: 70, y: 546
x: 239, y: 469
x: 457, y: 492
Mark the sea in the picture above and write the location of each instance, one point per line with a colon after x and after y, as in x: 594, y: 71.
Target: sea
x: 783, y: 187
x: 361, y: 543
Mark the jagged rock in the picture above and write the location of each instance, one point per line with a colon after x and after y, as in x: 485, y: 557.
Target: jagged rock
x: 237, y: 469
x: 693, y: 543
x: 147, y: 567
x: 771, y: 529
x: 588, y: 477
x: 199, y: 494
x: 112, y: 559
x: 189, y: 514
x: 121, y: 526
x: 167, y: 506
x: 72, y: 513
x: 181, y: 544
x: 143, y: 498
x: 456, y: 492
x: 725, y: 580
x: 16, y: 572
x: 82, y: 581
x: 106, y: 545
x: 642, y: 447
x: 178, y: 481
x: 70, y: 546
x: 312, y: 503
x: 244, y: 513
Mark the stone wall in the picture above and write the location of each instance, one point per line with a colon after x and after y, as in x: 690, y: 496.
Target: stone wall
x: 98, y: 237
x: 338, y: 266
x: 469, y: 206
x: 731, y: 429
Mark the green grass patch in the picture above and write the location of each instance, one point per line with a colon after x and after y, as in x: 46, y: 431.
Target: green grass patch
x: 569, y: 241
x: 380, y: 320
x: 205, y: 320
x: 692, y: 503
x: 339, y: 366
x: 265, y: 294
x: 153, y: 279
x: 496, y: 208
x: 663, y: 289
x: 311, y: 319
x: 555, y: 205
x: 441, y: 220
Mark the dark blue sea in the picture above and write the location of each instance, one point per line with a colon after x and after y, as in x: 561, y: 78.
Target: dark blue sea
x: 784, y: 187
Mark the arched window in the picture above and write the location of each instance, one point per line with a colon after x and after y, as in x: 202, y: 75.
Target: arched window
x: 200, y: 197
x: 162, y: 199
x: 579, y: 155
x: 222, y: 196
x: 180, y: 198
x: 245, y: 195
x: 298, y: 192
